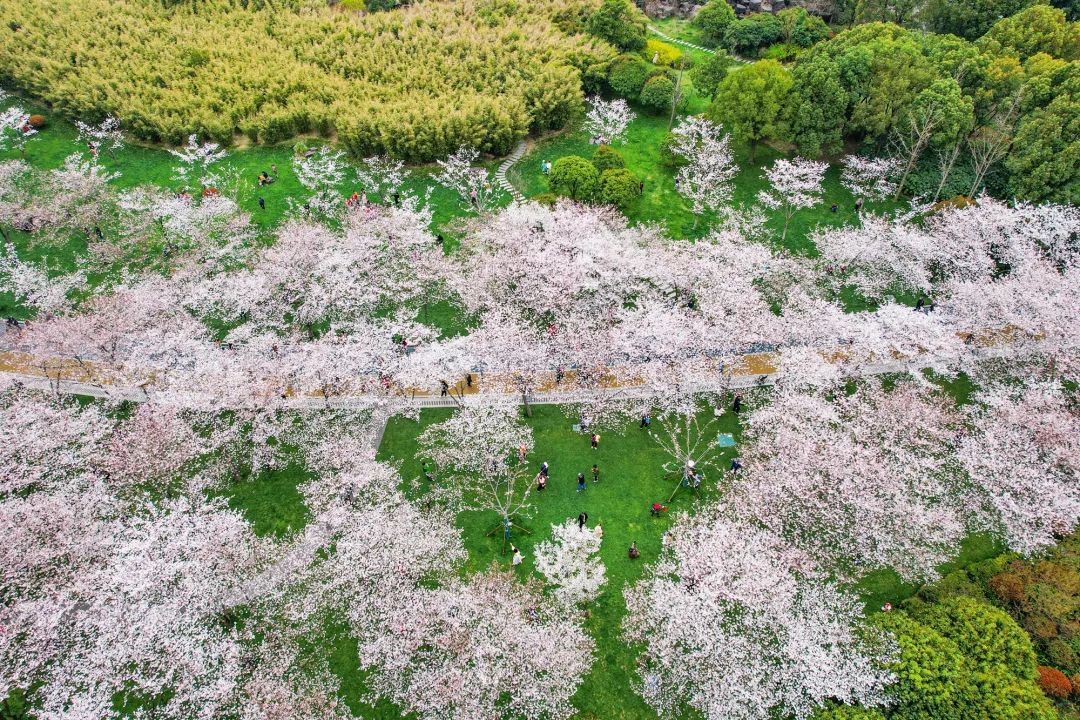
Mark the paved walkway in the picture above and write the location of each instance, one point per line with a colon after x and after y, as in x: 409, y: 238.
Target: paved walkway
x: 656, y: 31
x: 500, y: 174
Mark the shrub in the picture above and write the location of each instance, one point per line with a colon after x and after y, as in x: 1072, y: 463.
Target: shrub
x: 619, y: 187
x: 781, y: 52
x: 663, y: 53
x: 574, y: 177
x: 548, y: 199
x: 36, y: 121
x: 627, y: 75
x: 986, y: 634
x: 753, y: 31
x: 660, y: 89
x: 620, y: 23
x: 713, y: 20
x: 1054, y: 683
x: 1009, y: 587
x: 668, y: 158
x: 801, y: 28
x: 1059, y: 653
x: 607, y: 158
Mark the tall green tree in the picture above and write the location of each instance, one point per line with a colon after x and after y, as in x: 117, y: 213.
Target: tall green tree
x: 1038, y: 29
x: 901, y: 12
x: 818, y: 106
x: 713, y: 20
x: 1044, y: 163
x: 751, y: 103
x: 969, y: 19
x: 620, y: 23
x: 708, y: 75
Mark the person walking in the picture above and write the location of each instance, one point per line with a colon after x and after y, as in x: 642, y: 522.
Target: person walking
x: 445, y: 388
x: 468, y: 380
x: 262, y: 203
x: 522, y: 452
x: 582, y: 518
x: 736, y: 406
x: 541, y: 481
x: 595, y: 473
x: 580, y: 482
x: 595, y: 441
x: 545, y: 469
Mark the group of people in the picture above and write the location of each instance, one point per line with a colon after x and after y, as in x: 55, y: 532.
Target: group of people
x: 267, y: 178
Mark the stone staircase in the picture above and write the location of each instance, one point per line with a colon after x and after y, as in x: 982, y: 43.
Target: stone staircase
x: 500, y: 173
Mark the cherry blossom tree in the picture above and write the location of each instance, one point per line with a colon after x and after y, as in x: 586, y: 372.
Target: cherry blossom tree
x: 1024, y: 456
x: 196, y: 160
x: 105, y: 135
x: 383, y: 175
x: 608, y: 119
x: 15, y: 129
x: 690, y: 444
x: 793, y: 185
x: 859, y: 481
x: 869, y: 177
x: 473, y: 185
x: 706, y: 178
x: 489, y: 646
x: 322, y: 173
x: 32, y: 285
x: 739, y: 625
x: 473, y: 451
x: 570, y: 562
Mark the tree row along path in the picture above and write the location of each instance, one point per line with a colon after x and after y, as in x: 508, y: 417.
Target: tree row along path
x: 500, y: 173
x: 85, y: 377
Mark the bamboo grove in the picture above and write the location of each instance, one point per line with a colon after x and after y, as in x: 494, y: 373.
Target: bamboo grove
x: 415, y: 82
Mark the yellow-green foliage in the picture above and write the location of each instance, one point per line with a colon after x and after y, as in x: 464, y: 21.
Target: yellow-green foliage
x: 664, y: 53
x: 415, y: 82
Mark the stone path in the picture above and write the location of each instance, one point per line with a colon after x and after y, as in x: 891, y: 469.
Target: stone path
x: 657, y: 32
x: 681, y: 42
x: 500, y: 174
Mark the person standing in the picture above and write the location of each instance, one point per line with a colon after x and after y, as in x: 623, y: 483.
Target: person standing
x: 580, y: 482
x: 595, y: 473
x: 445, y: 388
x: 858, y: 205
x: 468, y: 380
x: 517, y: 556
x: 737, y: 405
x: 522, y: 452
x: 545, y: 470
x: 646, y: 421
x: 595, y: 441
x: 582, y: 518
x: 262, y: 203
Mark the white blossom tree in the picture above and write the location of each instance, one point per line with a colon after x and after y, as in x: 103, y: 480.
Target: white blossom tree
x: 740, y: 626
x: 1024, y: 457
x: 608, y: 119
x: 706, y: 178
x: 383, y: 175
x: 15, y: 129
x: 869, y: 177
x: 322, y: 174
x: 196, y: 159
x: 473, y: 451
x: 105, y: 135
x: 858, y: 481
x: 570, y: 562
x: 793, y: 185
x: 488, y: 646
x: 473, y: 185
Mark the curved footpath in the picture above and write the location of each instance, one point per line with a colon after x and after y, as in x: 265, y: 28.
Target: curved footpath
x: 500, y: 173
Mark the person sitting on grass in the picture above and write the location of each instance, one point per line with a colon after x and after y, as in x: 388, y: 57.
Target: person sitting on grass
x: 634, y: 553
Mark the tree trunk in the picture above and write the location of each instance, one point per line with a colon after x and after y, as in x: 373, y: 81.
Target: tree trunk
x: 753, y: 151
x: 946, y: 170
